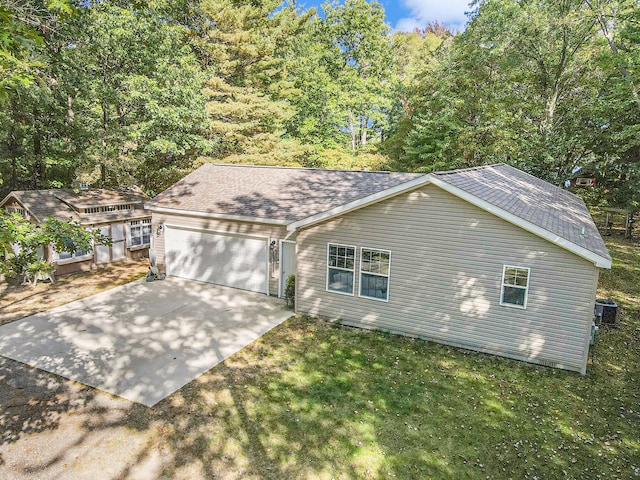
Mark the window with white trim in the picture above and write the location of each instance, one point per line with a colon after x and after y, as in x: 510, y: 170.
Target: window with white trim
x: 515, y: 286
x: 140, y: 231
x: 374, y: 273
x: 340, y: 268
x: 18, y: 210
x: 77, y: 255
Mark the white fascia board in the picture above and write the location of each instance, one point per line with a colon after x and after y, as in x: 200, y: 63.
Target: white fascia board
x: 217, y: 216
x: 362, y: 202
x: 11, y: 195
x: 599, y: 261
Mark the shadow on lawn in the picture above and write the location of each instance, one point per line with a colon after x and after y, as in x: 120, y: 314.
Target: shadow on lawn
x: 316, y: 400
x: 342, y: 403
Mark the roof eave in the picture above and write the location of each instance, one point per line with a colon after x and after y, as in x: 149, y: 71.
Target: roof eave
x: 599, y: 260
x: 360, y: 203
x: 216, y: 216
x: 12, y: 194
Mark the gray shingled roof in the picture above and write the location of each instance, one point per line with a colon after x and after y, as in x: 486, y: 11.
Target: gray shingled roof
x: 100, y: 197
x: 293, y: 194
x: 536, y: 201
x: 44, y: 203
x: 59, y: 203
x: 276, y: 193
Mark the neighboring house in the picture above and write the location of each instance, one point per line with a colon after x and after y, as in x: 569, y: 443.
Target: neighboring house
x: 583, y: 181
x: 489, y: 259
x: 118, y: 214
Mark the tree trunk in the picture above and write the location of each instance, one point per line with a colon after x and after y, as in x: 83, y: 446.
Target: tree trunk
x: 70, y: 112
x: 13, y: 149
x: 550, y: 110
x: 352, y: 131
x: 105, y: 127
x: 38, y: 166
x: 363, y: 131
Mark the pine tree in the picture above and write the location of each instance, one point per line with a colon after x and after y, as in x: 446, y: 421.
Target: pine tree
x: 249, y: 87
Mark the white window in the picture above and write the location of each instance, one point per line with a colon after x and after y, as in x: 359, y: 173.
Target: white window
x: 515, y: 286
x: 586, y: 182
x: 341, y: 261
x: 140, y: 231
x: 92, y: 210
x: 76, y: 256
x: 109, y: 208
x: 18, y: 210
x: 374, y: 273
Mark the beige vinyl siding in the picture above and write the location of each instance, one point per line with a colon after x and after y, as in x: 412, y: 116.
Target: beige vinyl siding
x: 447, y: 258
x: 274, y: 232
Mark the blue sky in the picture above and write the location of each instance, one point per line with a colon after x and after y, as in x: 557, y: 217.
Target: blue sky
x: 406, y: 15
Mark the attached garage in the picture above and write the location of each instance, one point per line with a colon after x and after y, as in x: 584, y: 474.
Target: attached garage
x: 233, y: 260
x: 488, y: 258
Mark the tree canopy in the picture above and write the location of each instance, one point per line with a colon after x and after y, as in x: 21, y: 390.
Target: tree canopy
x: 119, y: 92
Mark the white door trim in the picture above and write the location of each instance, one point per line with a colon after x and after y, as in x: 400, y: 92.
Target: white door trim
x: 280, y: 268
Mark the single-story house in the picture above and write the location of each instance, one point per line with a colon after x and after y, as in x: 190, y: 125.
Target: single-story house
x: 118, y: 214
x: 490, y: 259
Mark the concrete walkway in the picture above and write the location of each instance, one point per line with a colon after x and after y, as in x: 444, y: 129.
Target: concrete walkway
x: 142, y: 341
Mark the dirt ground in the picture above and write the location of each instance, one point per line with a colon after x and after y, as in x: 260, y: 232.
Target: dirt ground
x: 49, y: 425
x: 17, y: 301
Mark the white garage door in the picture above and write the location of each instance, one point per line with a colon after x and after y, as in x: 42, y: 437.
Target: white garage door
x: 233, y: 260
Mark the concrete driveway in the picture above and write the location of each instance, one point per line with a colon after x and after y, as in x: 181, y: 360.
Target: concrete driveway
x: 142, y: 341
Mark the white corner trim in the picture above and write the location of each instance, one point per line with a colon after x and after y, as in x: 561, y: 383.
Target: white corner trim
x: 598, y: 260
x: 219, y: 216
x: 362, y: 202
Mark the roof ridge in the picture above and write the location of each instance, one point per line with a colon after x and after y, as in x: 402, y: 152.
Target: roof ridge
x: 283, y: 167
x: 458, y: 170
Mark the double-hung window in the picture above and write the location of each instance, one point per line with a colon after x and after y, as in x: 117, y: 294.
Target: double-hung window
x: 515, y: 286
x: 374, y: 273
x: 140, y: 232
x: 340, y: 268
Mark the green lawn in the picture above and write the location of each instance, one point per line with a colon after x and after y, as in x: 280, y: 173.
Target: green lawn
x: 317, y: 400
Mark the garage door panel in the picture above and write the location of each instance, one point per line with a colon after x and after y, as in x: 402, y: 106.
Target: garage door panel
x: 234, y: 261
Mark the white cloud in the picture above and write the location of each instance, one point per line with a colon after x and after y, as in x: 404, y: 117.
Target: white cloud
x: 449, y: 12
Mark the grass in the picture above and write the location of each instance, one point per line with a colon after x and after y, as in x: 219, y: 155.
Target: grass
x: 317, y: 400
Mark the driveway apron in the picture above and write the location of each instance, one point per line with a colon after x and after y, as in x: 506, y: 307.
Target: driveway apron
x: 142, y: 341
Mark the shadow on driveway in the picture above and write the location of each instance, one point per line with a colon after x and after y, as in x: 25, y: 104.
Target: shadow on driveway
x: 142, y: 341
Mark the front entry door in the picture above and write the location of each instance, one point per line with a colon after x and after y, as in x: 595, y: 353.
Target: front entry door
x: 287, y: 262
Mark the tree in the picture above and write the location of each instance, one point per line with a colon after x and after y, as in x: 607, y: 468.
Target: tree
x: 518, y: 86
x: 23, y: 26
x: 414, y: 57
x: 138, y: 96
x: 21, y: 240
x: 249, y: 88
x: 34, y: 136
x: 360, y: 59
